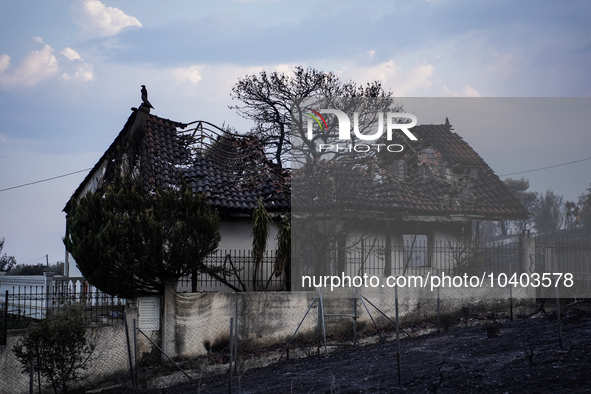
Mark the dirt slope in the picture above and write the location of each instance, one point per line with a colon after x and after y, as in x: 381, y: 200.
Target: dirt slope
x: 473, y: 359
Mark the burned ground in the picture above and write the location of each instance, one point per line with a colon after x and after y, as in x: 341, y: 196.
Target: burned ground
x: 497, y: 356
x: 523, y: 355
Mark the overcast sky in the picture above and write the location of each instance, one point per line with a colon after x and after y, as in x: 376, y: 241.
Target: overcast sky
x: 70, y: 71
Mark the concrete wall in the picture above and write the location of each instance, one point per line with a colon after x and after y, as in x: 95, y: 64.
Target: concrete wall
x: 13, y: 381
x: 202, y: 320
x: 196, y: 321
x: 193, y: 323
x: 109, y: 358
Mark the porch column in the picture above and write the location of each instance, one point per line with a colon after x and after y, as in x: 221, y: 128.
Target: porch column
x: 49, y: 283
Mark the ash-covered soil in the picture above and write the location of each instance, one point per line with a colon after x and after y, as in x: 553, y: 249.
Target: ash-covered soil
x: 524, y: 355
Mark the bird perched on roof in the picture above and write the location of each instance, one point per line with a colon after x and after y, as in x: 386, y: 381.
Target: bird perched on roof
x: 145, y: 97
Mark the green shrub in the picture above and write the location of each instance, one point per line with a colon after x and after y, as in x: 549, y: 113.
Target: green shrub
x: 60, y: 348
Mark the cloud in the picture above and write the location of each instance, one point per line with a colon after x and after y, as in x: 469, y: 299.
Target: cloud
x: 187, y: 74
x: 507, y: 65
x: 37, y: 66
x: 78, y: 69
x: 41, y: 65
x: 185, y: 79
x: 467, y: 91
x: 412, y: 82
x: 97, y: 20
x: 4, y: 63
x: 416, y: 79
x: 83, y: 72
x: 70, y: 54
x: 257, y: 1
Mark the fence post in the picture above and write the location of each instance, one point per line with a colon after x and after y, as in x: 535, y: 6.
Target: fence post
x: 31, y: 376
x: 49, y: 290
x: 4, y: 327
x: 355, y: 296
x: 135, y: 353
x: 511, y: 290
x: 235, y: 350
x: 398, y: 338
x: 587, y: 276
x: 438, y: 312
x: 231, y: 351
x: 128, y: 346
x: 557, y: 293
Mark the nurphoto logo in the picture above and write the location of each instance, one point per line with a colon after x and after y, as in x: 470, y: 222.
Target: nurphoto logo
x: 344, y: 128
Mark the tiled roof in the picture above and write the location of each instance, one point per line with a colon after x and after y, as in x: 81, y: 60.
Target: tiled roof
x: 164, y: 156
x: 440, y: 175
x: 228, y: 193
x: 161, y: 153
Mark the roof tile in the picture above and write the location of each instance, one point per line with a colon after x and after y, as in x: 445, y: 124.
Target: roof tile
x: 440, y: 188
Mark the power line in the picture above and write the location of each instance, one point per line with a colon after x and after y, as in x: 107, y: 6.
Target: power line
x: 88, y: 169
x: 548, y: 167
x: 45, y: 180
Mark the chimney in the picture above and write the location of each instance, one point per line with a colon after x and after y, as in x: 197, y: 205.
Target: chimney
x: 139, y: 125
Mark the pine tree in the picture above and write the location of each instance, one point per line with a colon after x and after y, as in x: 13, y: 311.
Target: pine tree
x: 129, y: 242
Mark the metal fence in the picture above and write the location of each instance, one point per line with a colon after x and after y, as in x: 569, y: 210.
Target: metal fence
x: 417, y: 257
x: 27, y: 304
x: 236, y: 273
x: 322, y: 325
x: 421, y: 256
x: 327, y: 322
x: 568, y: 252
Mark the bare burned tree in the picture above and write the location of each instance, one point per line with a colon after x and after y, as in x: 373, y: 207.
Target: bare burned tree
x: 280, y: 104
x: 268, y: 100
x: 530, y: 341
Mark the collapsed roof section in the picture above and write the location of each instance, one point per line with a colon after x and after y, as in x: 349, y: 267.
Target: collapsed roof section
x: 439, y: 176
x: 230, y: 169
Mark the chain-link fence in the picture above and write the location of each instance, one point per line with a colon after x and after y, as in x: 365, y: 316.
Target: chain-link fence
x: 28, y: 304
x: 231, y: 333
x: 194, y: 335
x: 227, y: 334
x: 105, y: 348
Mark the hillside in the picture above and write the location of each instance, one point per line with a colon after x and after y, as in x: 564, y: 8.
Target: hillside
x: 472, y: 359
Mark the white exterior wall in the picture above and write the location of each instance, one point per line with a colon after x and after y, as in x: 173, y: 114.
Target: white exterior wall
x: 429, y: 254
x: 70, y: 268
x: 237, y: 234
